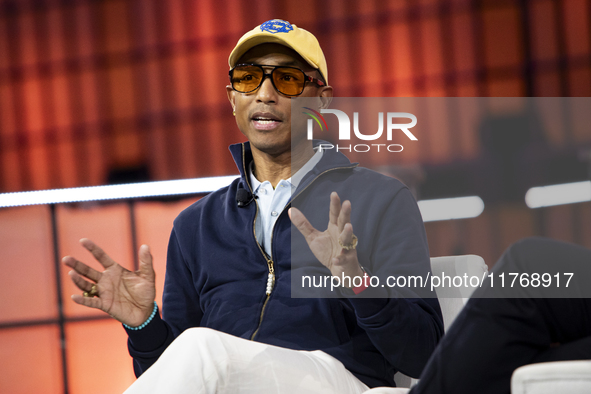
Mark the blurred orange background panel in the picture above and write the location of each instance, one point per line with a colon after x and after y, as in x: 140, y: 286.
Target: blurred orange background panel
x: 98, y: 361
x: 27, y: 283
x: 30, y: 360
x: 118, y: 79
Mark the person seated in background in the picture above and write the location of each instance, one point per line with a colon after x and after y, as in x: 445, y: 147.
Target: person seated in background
x: 545, y: 315
x: 228, y: 287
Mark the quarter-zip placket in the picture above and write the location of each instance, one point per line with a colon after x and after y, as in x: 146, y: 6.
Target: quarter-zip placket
x: 269, y: 259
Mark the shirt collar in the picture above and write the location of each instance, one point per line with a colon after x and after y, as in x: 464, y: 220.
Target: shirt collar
x: 295, y: 179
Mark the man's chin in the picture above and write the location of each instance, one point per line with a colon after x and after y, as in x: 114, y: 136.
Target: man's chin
x: 271, y: 148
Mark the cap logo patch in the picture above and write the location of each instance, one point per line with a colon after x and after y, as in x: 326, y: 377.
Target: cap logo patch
x: 277, y: 26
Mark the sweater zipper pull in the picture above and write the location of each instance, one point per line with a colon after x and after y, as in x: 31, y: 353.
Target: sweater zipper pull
x: 270, y: 280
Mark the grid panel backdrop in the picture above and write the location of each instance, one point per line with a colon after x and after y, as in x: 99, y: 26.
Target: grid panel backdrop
x: 88, y: 87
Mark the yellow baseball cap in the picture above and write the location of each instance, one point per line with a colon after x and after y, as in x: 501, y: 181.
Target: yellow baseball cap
x: 284, y: 33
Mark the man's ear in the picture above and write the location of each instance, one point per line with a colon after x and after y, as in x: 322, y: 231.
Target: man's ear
x: 232, y: 97
x: 325, y: 96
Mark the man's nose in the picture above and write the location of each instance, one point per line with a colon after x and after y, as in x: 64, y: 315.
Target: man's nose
x: 266, y: 92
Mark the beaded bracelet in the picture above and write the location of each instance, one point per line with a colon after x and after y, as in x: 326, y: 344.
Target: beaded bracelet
x: 144, y: 324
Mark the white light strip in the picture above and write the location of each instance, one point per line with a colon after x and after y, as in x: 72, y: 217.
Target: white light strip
x: 451, y: 208
x: 111, y: 192
x: 566, y: 193
x: 431, y: 210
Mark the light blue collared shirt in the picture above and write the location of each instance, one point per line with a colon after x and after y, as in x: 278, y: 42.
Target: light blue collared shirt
x: 271, y: 202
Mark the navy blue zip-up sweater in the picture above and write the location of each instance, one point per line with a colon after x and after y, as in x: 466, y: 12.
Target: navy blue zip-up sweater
x: 216, y: 275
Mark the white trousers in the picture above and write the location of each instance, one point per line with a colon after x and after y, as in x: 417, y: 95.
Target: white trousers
x: 203, y: 360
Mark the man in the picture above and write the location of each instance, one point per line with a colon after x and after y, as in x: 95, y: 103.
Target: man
x: 229, y: 264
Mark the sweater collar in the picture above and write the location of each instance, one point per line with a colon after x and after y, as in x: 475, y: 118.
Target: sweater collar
x: 242, y: 155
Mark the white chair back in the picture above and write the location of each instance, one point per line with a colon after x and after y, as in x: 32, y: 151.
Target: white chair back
x: 470, y: 268
x: 452, y: 298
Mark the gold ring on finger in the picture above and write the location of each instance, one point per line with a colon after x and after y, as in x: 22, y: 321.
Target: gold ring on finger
x: 92, y: 293
x: 350, y: 246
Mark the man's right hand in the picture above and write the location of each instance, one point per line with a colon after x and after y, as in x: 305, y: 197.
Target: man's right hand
x: 125, y: 295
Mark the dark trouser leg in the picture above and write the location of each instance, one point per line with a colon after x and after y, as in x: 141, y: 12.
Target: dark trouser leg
x: 493, y: 336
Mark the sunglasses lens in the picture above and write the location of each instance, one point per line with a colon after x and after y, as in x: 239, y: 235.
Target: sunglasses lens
x: 246, y: 78
x: 289, y: 81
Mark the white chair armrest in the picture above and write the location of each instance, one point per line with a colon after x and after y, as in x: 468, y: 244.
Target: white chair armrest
x: 387, y: 390
x: 402, y: 380
x: 572, y: 377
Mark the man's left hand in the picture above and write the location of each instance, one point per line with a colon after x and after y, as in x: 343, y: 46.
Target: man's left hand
x: 325, y: 245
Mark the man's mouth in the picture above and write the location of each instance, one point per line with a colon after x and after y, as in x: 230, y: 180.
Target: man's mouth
x: 265, y: 121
